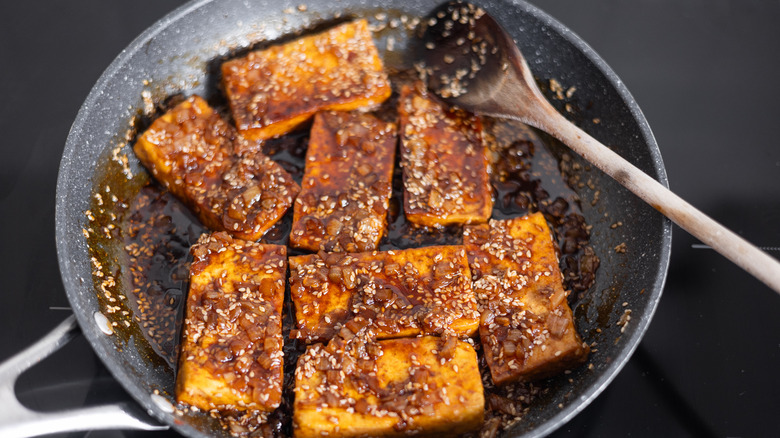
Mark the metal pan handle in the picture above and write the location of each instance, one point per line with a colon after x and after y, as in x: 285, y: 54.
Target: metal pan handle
x: 17, y: 421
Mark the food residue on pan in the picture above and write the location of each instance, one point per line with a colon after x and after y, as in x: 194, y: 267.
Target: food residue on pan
x: 157, y: 231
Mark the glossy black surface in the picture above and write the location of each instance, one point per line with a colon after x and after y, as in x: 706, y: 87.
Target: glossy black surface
x: 706, y: 80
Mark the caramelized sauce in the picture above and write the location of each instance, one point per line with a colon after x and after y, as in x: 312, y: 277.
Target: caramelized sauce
x: 157, y: 230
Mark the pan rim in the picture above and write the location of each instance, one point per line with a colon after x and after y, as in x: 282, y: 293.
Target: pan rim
x: 69, y: 278
x: 614, y: 368
x: 65, y: 246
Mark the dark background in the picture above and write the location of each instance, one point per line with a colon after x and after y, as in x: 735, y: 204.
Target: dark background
x: 706, y: 73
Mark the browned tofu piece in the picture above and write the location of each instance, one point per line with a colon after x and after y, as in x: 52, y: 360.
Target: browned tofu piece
x: 527, y: 329
x: 395, y: 388
x: 272, y: 91
x: 445, y: 166
x: 190, y: 150
x: 404, y: 292
x: 231, y: 352
x: 346, y: 189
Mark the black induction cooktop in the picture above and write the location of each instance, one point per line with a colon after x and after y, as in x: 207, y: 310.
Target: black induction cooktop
x: 704, y: 73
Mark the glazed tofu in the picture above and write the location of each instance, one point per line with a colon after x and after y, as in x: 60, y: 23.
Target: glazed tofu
x: 527, y: 329
x: 396, y: 388
x: 444, y: 160
x: 347, y: 184
x: 190, y: 150
x: 231, y: 352
x: 272, y: 91
x: 404, y: 292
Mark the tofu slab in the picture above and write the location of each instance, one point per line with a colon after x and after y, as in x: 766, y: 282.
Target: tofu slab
x: 390, y: 388
x: 231, y: 353
x: 404, y: 293
x: 272, y: 91
x: 191, y: 151
x: 347, y: 183
x: 445, y: 165
x: 527, y: 329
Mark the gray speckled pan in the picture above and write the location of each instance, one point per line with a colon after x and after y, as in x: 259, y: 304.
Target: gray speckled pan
x: 174, y: 55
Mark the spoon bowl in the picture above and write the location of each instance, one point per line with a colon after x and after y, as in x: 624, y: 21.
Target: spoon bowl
x: 469, y: 60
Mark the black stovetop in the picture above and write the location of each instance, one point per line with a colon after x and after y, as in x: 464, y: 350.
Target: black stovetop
x: 704, y: 73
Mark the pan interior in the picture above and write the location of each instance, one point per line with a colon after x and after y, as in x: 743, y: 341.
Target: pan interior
x: 179, y: 55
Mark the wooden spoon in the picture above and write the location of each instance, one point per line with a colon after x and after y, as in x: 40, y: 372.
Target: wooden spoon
x: 470, y: 61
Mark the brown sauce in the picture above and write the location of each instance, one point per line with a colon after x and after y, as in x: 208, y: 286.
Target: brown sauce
x: 157, y: 231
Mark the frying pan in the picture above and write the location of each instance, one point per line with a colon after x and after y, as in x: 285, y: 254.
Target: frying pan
x: 175, y: 55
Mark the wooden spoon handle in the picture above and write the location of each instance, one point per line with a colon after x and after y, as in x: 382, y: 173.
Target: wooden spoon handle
x: 721, y: 239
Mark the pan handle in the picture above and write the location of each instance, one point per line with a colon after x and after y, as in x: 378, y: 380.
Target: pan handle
x: 17, y: 421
